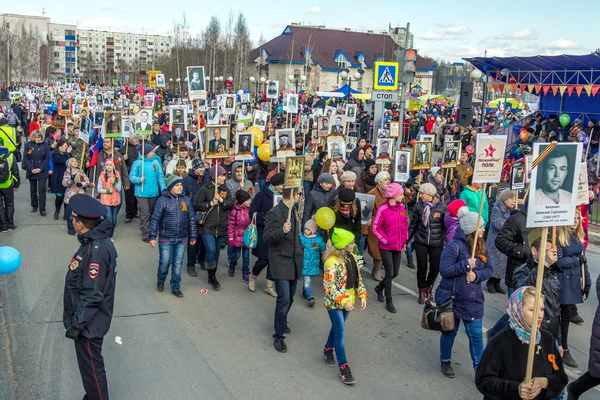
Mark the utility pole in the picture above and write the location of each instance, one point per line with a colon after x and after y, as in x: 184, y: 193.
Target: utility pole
x: 8, y: 54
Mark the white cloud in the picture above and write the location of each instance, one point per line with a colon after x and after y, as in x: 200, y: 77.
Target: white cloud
x: 436, y: 34
x: 457, y: 30
x: 101, y: 23
x: 449, y: 32
x: 523, y: 34
x: 110, y: 6
x: 314, y: 10
x: 562, y: 44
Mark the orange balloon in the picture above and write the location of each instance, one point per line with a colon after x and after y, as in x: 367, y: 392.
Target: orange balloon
x: 524, y: 135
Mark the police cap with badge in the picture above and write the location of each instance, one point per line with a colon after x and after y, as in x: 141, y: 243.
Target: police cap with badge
x: 86, y: 207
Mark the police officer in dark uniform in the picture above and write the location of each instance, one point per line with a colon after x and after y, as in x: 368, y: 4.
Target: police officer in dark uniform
x: 90, y: 292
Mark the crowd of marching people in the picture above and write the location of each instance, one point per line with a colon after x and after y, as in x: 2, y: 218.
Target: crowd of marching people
x: 192, y: 208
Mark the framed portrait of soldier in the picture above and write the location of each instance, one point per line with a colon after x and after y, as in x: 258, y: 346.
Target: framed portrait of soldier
x: 244, y: 143
x: 273, y: 151
x: 450, y: 154
x: 229, y: 104
x: 84, y: 119
x: 294, y: 172
x: 178, y: 115
x: 113, y: 124
x: 323, y: 126
x: 203, y: 105
x: 260, y: 119
x: 401, y: 166
x: 421, y: 154
x: 143, y: 121
x: 384, y: 151
x: 91, y: 102
x: 285, y: 142
x: 337, y: 127
x: 149, y: 101
x: 554, y: 184
x: 65, y: 105
x: 178, y: 133
x: 330, y: 111
x: 213, y: 117
x: 351, y: 143
x: 350, y: 112
x: 195, y: 82
x: 244, y: 114
x: 59, y: 122
x: 98, y: 118
x: 383, y: 133
x: 337, y: 150
x: 394, y: 129
x: 99, y: 99
x: 292, y: 103
x: 160, y: 80
x: 367, y: 201
x: 217, y: 137
x: 273, y: 90
x: 517, y: 181
x: 266, y: 107
x: 127, y: 123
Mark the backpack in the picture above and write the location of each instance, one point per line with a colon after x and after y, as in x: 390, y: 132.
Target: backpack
x: 5, y: 173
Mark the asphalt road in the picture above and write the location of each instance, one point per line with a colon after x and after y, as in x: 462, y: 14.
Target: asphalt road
x: 218, y: 345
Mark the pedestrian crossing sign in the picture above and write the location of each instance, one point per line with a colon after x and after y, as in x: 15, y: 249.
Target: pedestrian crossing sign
x: 385, y: 75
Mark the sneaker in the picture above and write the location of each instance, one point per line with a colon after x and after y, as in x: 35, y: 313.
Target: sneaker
x: 568, y: 359
x: 34, y: 209
x: 192, y: 271
x: 160, y: 286
x: 328, y: 355
x: 575, y: 319
x: 128, y: 220
x: 12, y: 227
x: 178, y: 294
x: 280, y: 345
x: 447, y: 369
x: 346, y: 375
x: 43, y: 213
x: 311, y: 302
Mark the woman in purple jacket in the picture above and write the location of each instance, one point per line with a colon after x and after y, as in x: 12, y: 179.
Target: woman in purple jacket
x: 461, y: 281
x: 391, y: 229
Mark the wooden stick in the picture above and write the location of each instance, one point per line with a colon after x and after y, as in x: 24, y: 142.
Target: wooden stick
x: 289, y: 218
x: 126, y: 145
x: 526, y: 193
x: 582, y: 276
x: 537, y: 305
x: 143, y: 160
x: 478, y: 219
x: 216, y: 176
x: 554, y: 237
x: 81, y: 166
x: 243, y: 172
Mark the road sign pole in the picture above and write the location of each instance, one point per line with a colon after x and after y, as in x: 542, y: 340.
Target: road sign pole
x: 402, y: 63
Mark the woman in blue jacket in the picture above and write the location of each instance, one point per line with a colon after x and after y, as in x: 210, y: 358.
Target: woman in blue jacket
x: 573, y: 290
x: 461, y: 280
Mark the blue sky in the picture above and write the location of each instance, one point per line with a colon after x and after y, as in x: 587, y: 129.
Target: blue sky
x: 442, y: 29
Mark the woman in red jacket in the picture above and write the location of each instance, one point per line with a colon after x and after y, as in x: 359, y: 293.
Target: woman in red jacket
x: 391, y: 229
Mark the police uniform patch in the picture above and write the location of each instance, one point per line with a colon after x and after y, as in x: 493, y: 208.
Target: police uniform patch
x: 93, y: 270
x: 78, y: 257
x: 74, y: 264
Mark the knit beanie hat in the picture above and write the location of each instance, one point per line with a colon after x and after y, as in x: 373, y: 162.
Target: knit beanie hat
x: 394, y: 190
x: 468, y: 220
x: 454, y: 206
x: 197, y: 163
x: 346, y: 195
x: 367, y: 146
x: 173, y: 180
x: 382, y: 176
x: 109, y: 160
x: 341, y: 238
x: 70, y: 160
x: 428, y: 188
x: 508, y: 194
x: 369, y: 162
x: 311, y: 225
x: 325, y: 178
x: 348, y: 176
x: 435, y: 170
x: 147, y: 148
x: 221, y: 171
x: 241, y: 196
x: 277, y: 179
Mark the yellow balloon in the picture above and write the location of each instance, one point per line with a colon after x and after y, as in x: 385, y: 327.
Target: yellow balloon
x: 264, y: 152
x: 325, y: 218
x: 258, y: 135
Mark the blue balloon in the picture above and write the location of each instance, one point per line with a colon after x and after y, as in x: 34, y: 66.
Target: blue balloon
x: 516, y: 128
x: 10, y: 260
x: 246, y: 91
x: 54, y: 107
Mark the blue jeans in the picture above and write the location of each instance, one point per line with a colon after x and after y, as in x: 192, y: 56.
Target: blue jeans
x: 409, y: 249
x: 112, y: 215
x: 362, y: 244
x: 308, y: 289
x: 70, y: 228
x: 213, y: 248
x: 285, y: 298
x: 501, y: 324
x: 474, y: 331
x: 171, y: 253
x: 233, y: 255
x: 337, y: 334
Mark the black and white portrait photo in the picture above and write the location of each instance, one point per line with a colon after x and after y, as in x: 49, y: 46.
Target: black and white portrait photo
x: 260, y: 119
x: 330, y: 111
x: 401, y: 166
x: 323, y: 126
x: 383, y: 133
x: 127, y: 123
x: 195, y: 82
x: 178, y: 115
x: 65, y: 107
x: 217, y: 138
x: 273, y: 90
x: 98, y: 119
x: 244, y: 113
x: 351, y: 143
x: 160, y: 80
x: 450, y: 154
x: 338, y: 126
x: 394, y: 129
x: 518, y: 177
x: 85, y: 125
x: 112, y: 124
x: 304, y: 125
x: 266, y: 107
x: 285, y: 143
x: 292, y: 103
x: 384, y: 151
x: 229, y: 104
x: 213, y: 117
x: 554, y: 184
x: 421, y: 155
x: 143, y: 121
x: 99, y: 99
x: 337, y: 151
x: 244, y: 142
x: 202, y: 105
x: 367, y: 201
x: 179, y: 133
x: 350, y: 112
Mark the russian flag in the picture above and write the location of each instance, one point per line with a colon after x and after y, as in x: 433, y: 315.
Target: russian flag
x: 97, y: 148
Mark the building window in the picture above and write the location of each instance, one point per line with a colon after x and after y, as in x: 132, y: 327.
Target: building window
x: 56, y: 65
x: 69, y: 33
x: 56, y: 54
x: 342, y: 62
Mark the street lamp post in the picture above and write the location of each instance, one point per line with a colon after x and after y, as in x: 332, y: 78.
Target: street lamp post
x: 296, y: 81
x: 345, y: 76
x: 178, y: 80
x: 253, y: 80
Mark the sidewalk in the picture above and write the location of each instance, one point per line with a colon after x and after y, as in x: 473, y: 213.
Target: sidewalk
x: 594, y: 237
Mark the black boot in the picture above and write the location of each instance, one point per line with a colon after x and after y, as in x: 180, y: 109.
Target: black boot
x: 56, y: 215
x: 192, y: 271
x: 390, y: 306
x: 498, y: 287
x: 379, y: 290
x: 212, y: 278
x: 568, y: 359
x: 447, y: 369
x: 409, y: 262
x: 491, y: 287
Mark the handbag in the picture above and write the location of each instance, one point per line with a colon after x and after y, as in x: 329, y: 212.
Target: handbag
x: 201, y: 216
x: 439, y: 317
x: 251, y: 234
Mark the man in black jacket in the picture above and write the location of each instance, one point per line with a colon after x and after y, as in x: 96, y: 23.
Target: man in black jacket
x: 285, y: 259
x: 512, y: 242
x: 130, y: 154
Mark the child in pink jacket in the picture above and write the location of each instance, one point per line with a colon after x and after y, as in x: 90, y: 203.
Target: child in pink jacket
x: 238, y: 222
x: 391, y: 229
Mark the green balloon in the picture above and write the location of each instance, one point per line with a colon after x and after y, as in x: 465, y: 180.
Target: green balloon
x: 565, y: 120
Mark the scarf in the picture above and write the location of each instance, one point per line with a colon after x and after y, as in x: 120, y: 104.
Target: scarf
x: 345, y: 209
x: 351, y: 271
x: 427, y: 211
x: 370, y: 179
x: 272, y: 189
x: 514, y: 308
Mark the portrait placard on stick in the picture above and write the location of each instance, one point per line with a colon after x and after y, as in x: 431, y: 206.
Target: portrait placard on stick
x: 217, y: 137
x: 384, y: 151
x: 285, y: 141
x: 518, y: 177
x: 113, y: 124
x: 143, y: 121
x: 244, y: 143
x: 450, y: 154
x: 195, y: 82
x: 421, y: 155
x: 554, y: 185
x: 489, y: 158
x: 294, y: 172
x: 401, y: 172
x: 583, y: 196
